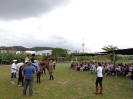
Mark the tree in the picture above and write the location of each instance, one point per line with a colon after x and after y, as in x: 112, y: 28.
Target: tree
x: 109, y: 48
x: 113, y: 57
x: 59, y: 52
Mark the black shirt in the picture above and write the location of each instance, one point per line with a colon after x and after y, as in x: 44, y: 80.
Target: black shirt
x: 32, y: 60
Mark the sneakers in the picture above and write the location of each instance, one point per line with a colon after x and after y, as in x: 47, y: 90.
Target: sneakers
x: 13, y: 83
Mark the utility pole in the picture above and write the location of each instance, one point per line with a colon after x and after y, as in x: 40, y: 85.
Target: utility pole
x: 83, y: 44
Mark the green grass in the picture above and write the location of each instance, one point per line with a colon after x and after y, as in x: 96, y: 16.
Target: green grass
x: 67, y: 84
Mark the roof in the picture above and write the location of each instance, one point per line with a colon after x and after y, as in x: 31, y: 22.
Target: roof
x: 88, y: 54
x: 128, y: 51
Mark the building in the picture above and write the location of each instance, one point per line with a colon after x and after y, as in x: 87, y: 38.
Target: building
x: 44, y: 52
x: 73, y: 51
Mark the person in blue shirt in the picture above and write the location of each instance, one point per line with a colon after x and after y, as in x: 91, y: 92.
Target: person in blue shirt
x: 28, y: 73
x: 34, y: 63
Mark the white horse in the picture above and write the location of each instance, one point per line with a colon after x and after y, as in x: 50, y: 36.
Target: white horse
x: 17, y: 67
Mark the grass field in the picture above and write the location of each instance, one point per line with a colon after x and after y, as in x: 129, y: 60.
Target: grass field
x: 67, y: 84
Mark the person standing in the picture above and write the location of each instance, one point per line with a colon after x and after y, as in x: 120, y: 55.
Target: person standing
x: 130, y: 74
x: 92, y: 69
x: 51, y: 70
x: 132, y: 79
x: 28, y: 73
x: 99, y: 78
x: 13, y: 71
x: 54, y: 63
x: 27, y: 58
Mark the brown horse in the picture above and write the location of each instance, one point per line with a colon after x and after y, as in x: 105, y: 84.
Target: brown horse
x: 38, y: 73
x: 20, y: 78
x: 47, y: 65
x: 43, y: 67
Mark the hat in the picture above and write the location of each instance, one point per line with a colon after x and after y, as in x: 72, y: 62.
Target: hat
x: 33, y: 54
x: 14, y: 60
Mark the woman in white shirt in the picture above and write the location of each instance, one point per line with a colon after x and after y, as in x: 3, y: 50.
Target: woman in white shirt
x: 99, y: 78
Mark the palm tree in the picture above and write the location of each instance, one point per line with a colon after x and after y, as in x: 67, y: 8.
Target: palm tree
x: 109, y: 48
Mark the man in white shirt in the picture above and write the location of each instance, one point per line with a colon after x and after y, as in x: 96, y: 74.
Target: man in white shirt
x: 13, y: 71
x: 99, y: 78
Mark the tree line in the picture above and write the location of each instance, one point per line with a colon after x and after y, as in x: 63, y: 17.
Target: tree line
x: 57, y: 54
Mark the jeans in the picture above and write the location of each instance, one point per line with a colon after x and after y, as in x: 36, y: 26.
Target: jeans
x: 92, y: 71
x: 28, y: 82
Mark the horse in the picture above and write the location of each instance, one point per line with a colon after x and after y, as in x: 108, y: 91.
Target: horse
x: 43, y: 67
x: 44, y: 63
x: 17, y: 67
x: 37, y: 68
x: 39, y: 71
x: 47, y: 64
x: 36, y: 65
x: 20, y: 78
x: 40, y: 68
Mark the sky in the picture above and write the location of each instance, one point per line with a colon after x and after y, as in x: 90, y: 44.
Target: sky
x: 67, y: 23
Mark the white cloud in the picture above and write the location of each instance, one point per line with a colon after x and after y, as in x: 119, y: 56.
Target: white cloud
x: 99, y: 22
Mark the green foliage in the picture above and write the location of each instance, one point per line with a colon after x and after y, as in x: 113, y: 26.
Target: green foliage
x: 46, y: 57
x: 39, y: 57
x: 59, y: 52
x: 117, y: 57
x: 109, y: 48
x: 6, y: 58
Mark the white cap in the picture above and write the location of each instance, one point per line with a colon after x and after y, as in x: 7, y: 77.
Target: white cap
x: 14, y: 60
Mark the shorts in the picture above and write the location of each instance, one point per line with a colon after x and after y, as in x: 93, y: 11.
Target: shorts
x: 13, y: 75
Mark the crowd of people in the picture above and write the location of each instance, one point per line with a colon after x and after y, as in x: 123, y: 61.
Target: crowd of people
x: 28, y: 72
x: 107, y: 68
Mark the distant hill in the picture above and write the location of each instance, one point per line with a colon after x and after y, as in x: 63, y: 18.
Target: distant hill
x: 20, y: 48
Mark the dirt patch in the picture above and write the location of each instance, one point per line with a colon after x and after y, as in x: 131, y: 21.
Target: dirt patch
x: 62, y: 82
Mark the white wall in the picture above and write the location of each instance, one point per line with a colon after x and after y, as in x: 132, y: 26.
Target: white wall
x: 44, y: 52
